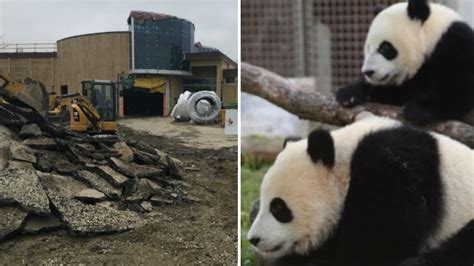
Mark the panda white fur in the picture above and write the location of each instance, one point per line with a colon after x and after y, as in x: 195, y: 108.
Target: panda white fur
x: 420, y: 55
x: 372, y: 193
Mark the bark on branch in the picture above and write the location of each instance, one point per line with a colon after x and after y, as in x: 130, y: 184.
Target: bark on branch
x: 300, y: 97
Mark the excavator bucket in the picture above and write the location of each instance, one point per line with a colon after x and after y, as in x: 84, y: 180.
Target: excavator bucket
x: 30, y: 93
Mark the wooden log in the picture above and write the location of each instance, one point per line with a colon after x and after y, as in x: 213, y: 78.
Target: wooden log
x: 301, y: 97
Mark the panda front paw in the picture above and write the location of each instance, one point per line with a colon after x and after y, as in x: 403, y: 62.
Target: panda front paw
x: 350, y: 96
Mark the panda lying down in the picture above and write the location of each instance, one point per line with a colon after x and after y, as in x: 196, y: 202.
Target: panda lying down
x: 372, y: 193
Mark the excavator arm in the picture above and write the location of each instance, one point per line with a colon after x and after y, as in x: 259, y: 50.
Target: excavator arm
x: 88, y: 109
x: 77, y: 110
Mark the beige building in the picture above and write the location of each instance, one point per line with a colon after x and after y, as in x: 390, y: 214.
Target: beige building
x: 106, y: 56
x: 213, y: 71
x: 38, y: 66
x: 101, y: 55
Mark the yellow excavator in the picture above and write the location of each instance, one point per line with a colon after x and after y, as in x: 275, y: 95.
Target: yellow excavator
x: 93, y: 111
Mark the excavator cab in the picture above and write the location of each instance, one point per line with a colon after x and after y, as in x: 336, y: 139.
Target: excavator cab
x: 103, y: 96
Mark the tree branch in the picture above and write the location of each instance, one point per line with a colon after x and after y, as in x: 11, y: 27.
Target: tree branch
x: 300, y: 97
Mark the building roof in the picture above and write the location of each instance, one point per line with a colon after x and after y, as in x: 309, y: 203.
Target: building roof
x: 28, y: 55
x: 210, y: 55
x: 140, y: 16
x: 91, y: 34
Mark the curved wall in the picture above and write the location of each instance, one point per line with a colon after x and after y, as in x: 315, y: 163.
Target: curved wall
x: 91, y: 56
x: 161, y: 44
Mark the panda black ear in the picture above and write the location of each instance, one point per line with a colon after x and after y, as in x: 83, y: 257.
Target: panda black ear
x: 419, y: 9
x: 290, y: 139
x: 321, y: 147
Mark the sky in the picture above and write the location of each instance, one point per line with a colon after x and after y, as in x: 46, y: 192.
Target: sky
x: 29, y: 21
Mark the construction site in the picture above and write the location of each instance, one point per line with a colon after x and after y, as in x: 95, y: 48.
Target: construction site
x: 119, y: 147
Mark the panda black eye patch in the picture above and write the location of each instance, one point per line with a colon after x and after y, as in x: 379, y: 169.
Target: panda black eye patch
x: 280, y: 210
x: 387, y: 50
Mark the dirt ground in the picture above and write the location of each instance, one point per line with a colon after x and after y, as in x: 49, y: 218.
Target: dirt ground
x: 204, y: 136
x: 179, y: 234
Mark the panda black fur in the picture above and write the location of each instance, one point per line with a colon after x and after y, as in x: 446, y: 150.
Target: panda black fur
x: 380, y: 194
x: 419, y: 55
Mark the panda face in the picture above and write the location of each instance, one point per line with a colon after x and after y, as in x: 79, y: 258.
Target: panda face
x: 298, y: 204
x: 401, y: 38
x: 381, y: 65
x: 394, y: 49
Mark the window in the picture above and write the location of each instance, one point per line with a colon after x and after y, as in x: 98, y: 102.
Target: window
x: 199, y: 84
x: 230, y: 80
x: 63, y: 89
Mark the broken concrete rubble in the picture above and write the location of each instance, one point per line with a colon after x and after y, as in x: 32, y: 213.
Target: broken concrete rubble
x: 36, y: 224
x: 126, y: 154
x: 20, y: 165
x: 90, y: 195
x: 11, y: 219
x: 30, y: 131
x: 134, y: 170
x: 97, y: 182
x: 140, y: 188
x: 22, y: 152
x: 66, y: 167
x: 145, y: 157
x: 66, y: 186
x: 46, y: 160
x: 146, y: 206
x: 84, y: 218
x: 57, y: 179
x: 174, y: 169
x: 86, y: 147
x: 6, y: 133
x: 42, y: 143
x: 22, y: 188
x: 4, y: 154
x: 163, y: 155
x: 6, y: 137
x: 191, y: 198
x: 158, y: 200
x: 114, y: 177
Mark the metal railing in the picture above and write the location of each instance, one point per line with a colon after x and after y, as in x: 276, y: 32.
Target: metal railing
x: 27, y: 47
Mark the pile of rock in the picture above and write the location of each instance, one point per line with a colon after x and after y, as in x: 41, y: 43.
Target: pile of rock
x: 52, y: 178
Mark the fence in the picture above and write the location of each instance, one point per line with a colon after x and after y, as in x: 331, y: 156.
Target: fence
x: 27, y: 47
x: 321, y: 38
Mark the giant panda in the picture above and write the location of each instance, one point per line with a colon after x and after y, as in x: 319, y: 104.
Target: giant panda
x: 375, y: 192
x: 419, y: 55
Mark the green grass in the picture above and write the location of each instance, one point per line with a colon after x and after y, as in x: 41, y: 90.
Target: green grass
x: 252, y: 174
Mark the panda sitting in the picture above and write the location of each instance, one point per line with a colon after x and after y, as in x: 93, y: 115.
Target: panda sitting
x: 374, y: 193
x: 419, y: 55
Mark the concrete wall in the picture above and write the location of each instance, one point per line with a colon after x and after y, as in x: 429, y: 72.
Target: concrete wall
x: 230, y: 94
x: 176, y: 88
x: 227, y: 92
x: 466, y: 9
x: 38, y: 66
x: 91, y: 56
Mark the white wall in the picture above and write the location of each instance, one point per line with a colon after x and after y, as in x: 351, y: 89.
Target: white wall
x: 264, y: 118
x: 466, y: 9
